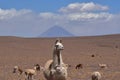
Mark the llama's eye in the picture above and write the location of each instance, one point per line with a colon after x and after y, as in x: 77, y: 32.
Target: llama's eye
x: 56, y: 46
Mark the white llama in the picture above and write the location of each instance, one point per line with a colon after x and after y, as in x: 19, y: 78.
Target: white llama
x: 96, y: 75
x: 55, y: 69
x: 103, y: 66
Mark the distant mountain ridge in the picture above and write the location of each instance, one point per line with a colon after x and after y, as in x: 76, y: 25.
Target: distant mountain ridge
x: 56, y: 31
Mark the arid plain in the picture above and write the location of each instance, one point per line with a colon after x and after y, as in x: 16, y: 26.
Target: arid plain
x: 25, y: 52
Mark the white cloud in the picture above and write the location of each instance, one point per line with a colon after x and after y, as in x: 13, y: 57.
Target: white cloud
x: 83, y: 7
x: 10, y: 13
x: 89, y: 16
x: 48, y: 15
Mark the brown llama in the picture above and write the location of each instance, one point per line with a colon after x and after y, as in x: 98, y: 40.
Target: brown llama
x: 79, y: 66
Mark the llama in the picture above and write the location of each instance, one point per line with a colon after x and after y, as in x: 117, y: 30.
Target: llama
x: 29, y: 73
x: 92, y: 55
x: 18, y: 70
x: 96, y: 75
x: 79, y: 66
x: 55, y: 69
x: 102, y: 65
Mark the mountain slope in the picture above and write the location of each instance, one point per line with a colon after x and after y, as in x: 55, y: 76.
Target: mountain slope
x: 56, y: 31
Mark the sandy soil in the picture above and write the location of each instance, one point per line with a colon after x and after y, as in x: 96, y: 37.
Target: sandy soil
x: 25, y: 52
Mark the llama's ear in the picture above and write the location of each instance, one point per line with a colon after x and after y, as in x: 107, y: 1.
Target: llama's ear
x: 56, y: 41
x: 60, y: 41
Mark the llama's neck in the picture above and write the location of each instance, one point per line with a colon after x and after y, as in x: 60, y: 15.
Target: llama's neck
x: 20, y: 71
x: 57, y: 58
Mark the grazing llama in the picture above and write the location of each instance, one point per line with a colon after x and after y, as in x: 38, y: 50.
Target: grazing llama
x: 55, y: 69
x: 103, y: 66
x: 96, y: 75
x: 79, y: 66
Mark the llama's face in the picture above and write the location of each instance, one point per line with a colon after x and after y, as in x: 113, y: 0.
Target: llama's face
x: 15, y: 69
x: 37, y: 67
x: 59, y: 45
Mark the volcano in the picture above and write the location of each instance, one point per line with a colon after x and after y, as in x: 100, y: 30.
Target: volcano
x: 56, y: 31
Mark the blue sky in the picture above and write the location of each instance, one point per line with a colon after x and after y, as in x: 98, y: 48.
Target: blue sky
x: 30, y: 18
x: 54, y: 5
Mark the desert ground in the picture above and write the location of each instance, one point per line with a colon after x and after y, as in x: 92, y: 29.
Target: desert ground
x: 25, y: 52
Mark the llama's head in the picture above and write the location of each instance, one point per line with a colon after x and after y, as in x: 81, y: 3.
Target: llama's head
x: 15, y: 69
x: 96, y: 75
x: 37, y: 67
x: 58, y: 45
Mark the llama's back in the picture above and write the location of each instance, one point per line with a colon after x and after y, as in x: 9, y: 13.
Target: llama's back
x: 48, y: 63
x: 47, y: 69
x: 30, y: 71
